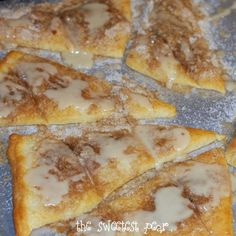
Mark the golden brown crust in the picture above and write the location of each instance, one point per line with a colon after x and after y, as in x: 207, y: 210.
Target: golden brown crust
x: 146, y: 106
x: 46, y: 26
x: 20, y: 215
x: 172, y: 50
x: 37, y: 108
x: 200, y: 137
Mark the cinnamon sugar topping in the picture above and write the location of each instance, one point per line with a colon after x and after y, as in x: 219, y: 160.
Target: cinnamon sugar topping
x: 56, y: 167
x: 10, y: 93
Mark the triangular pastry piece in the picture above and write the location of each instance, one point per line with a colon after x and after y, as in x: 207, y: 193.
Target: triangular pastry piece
x: 56, y: 178
x: 53, y: 179
x: 185, y: 198
x: 171, y: 48
x: 144, y: 105
x: 121, y: 155
x: 168, y: 142
x: 97, y: 27
x: 39, y: 91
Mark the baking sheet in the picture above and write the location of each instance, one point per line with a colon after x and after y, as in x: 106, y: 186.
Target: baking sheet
x: 198, y: 108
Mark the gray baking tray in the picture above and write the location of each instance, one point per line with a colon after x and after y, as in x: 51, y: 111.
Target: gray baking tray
x: 198, y: 108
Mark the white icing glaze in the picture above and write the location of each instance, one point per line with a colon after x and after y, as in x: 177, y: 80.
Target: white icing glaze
x: 36, y: 73
x: 111, y: 148
x: 115, y: 149
x: 171, y: 208
x: 43, y: 179
x: 177, y: 138
x: 96, y: 15
x: 78, y: 59
x: 46, y: 185
x: 72, y: 96
x: 207, y: 180
x: 11, y: 92
x: 181, y: 138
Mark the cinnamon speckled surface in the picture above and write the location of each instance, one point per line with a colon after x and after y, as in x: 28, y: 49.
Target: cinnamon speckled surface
x: 198, y: 108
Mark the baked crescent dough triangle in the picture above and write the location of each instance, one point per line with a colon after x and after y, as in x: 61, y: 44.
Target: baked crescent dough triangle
x: 98, y: 27
x: 35, y: 90
x: 56, y: 179
x: 185, y: 198
x: 171, y: 48
x: 168, y: 142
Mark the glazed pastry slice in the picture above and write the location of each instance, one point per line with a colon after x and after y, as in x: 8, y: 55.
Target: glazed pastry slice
x: 162, y: 143
x: 57, y: 179
x: 96, y: 27
x: 53, y: 179
x: 122, y: 155
x: 170, y: 47
x: 185, y: 198
x: 55, y: 94
x: 168, y: 142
